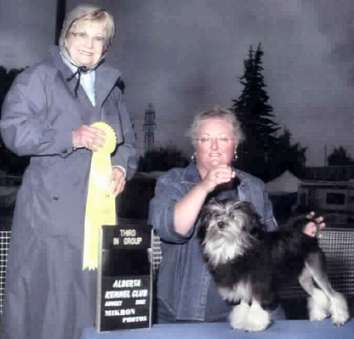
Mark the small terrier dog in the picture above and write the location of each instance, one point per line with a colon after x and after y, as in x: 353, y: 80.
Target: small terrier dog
x: 248, y: 264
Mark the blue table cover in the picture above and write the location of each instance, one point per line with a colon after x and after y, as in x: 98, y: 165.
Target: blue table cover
x: 281, y: 329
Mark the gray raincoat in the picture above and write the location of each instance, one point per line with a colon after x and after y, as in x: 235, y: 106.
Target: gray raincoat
x: 48, y: 296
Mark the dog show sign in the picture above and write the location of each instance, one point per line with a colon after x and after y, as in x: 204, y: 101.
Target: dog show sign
x: 124, y: 286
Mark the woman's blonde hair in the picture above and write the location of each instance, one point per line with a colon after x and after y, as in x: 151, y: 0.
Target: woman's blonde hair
x: 220, y: 113
x: 88, y: 12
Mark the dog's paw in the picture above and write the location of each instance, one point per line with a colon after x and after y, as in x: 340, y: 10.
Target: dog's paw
x: 258, y: 319
x: 238, y: 316
x: 318, y: 305
x: 339, y: 309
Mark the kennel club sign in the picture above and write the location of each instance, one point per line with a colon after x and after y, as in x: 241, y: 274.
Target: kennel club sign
x: 124, y: 278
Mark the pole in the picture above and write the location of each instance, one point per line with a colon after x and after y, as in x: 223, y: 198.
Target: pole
x: 61, y: 8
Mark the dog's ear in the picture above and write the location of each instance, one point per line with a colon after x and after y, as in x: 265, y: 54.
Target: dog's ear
x: 253, y: 224
x: 204, y: 216
x: 249, y: 209
x: 201, y: 232
x: 211, y: 202
x: 246, y: 206
x: 257, y: 232
x: 212, y: 207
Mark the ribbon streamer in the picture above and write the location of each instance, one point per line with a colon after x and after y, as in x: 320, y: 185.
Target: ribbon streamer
x: 101, y: 203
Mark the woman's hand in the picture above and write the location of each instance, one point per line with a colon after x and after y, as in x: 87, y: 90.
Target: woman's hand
x: 118, y: 180
x: 219, y: 175
x: 314, y: 226
x: 88, y: 137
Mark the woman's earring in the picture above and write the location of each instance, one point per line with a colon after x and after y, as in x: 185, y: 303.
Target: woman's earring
x: 193, y: 157
x: 235, y: 154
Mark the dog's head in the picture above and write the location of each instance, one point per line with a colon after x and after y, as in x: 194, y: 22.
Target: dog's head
x: 227, y: 229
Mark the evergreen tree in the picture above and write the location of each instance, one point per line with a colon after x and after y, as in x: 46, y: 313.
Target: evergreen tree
x: 340, y: 157
x: 255, y: 115
x: 263, y: 151
x: 287, y: 156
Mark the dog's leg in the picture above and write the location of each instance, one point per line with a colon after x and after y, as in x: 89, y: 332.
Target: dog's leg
x: 338, y: 307
x: 238, y: 316
x: 318, y: 303
x: 258, y: 319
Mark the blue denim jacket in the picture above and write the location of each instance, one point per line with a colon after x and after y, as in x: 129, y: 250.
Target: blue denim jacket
x: 184, y: 280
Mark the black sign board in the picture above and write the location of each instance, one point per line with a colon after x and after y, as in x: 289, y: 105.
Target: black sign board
x: 124, y: 287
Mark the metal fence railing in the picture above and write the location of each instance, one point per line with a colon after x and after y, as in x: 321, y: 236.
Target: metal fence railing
x: 338, y: 245
x: 4, y: 246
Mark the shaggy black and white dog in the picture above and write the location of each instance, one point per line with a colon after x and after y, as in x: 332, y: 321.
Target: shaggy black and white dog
x: 248, y: 264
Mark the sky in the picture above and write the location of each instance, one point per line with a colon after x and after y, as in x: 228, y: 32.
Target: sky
x: 187, y: 56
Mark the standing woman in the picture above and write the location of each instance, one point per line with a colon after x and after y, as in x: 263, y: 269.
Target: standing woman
x: 47, y: 115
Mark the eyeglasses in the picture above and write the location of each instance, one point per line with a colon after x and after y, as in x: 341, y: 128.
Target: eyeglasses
x: 84, y: 37
x: 207, y: 140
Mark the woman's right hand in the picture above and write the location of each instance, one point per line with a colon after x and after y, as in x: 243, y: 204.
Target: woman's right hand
x: 188, y: 208
x: 88, y: 137
x: 218, y: 175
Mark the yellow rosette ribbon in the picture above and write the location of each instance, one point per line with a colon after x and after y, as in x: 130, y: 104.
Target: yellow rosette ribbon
x: 101, y: 203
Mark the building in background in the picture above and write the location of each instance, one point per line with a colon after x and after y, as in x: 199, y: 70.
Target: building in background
x: 329, y: 191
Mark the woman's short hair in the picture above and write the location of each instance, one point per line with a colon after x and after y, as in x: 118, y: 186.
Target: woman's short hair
x: 220, y: 113
x: 88, y: 12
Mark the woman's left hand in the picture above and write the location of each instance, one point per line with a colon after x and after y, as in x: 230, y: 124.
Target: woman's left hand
x: 118, y: 180
x: 314, y: 226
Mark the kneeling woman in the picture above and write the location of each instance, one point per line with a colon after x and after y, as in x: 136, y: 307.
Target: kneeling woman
x: 185, y: 288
